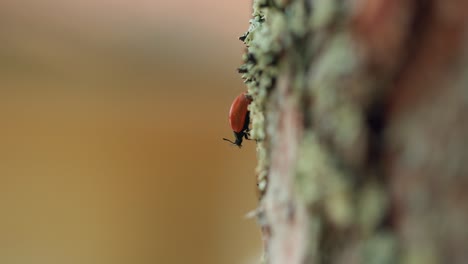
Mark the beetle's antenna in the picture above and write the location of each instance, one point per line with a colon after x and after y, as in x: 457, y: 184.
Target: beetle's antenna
x: 240, y: 146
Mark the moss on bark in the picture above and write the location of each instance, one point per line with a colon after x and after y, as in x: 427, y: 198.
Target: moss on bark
x: 340, y: 98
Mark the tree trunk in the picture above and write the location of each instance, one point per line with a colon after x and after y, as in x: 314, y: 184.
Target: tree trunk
x: 359, y: 114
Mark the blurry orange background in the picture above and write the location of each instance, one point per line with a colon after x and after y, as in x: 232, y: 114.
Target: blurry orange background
x: 112, y: 116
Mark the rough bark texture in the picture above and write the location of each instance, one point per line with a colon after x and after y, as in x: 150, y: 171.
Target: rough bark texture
x: 359, y: 115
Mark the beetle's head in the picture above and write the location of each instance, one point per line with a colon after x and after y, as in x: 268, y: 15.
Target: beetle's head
x: 238, y: 137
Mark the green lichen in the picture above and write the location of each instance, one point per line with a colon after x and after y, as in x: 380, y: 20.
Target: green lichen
x: 319, y: 180
x: 266, y: 38
x: 338, y: 60
x: 323, y: 14
x: 334, y: 81
x: 276, y: 26
x: 424, y: 252
x: 315, y: 232
x: 372, y: 205
x: 307, y: 42
x: 282, y: 26
x: 381, y: 248
x: 298, y: 18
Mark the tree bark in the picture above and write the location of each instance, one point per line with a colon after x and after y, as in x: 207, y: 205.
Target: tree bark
x: 362, y: 137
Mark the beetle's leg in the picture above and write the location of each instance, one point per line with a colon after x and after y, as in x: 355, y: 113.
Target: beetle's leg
x: 247, y: 134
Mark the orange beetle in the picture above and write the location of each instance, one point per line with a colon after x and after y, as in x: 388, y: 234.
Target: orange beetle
x: 239, y: 118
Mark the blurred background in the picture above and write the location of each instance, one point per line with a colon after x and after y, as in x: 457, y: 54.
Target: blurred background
x: 112, y: 116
